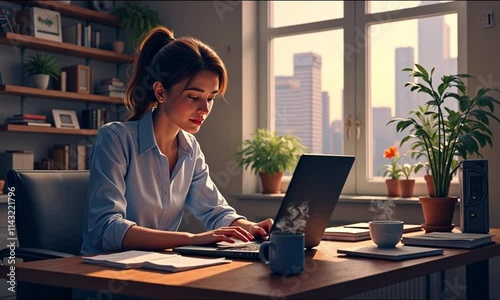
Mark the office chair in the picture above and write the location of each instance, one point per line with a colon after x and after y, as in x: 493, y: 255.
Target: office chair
x: 49, y: 216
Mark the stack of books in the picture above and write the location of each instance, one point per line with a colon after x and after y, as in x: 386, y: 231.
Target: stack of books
x: 70, y: 157
x: 449, y: 240
x: 94, y: 118
x: 112, y: 87
x: 29, y: 120
x: 341, y: 233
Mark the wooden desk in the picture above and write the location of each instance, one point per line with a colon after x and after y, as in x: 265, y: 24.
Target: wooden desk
x: 326, y: 275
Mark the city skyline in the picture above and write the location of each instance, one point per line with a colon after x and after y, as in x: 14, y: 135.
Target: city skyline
x: 329, y: 44
x: 295, y: 116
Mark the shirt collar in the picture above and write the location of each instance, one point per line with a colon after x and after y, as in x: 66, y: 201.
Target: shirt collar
x: 147, y: 139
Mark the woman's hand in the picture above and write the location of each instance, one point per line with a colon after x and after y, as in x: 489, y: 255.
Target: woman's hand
x: 262, y: 228
x: 223, y: 234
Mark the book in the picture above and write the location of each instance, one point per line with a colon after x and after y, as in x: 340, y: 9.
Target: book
x: 397, y: 253
x: 72, y: 34
x: 152, y: 260
x: 30, y: 117
x: 341, y: 233
x: 449, y: 240
x: 406, y: 227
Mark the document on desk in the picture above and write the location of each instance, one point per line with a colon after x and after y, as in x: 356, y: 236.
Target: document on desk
x: 152, y: 260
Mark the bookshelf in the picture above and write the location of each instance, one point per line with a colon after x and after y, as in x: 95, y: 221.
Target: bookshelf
x: 75, y: 12
x: 49, y: 130
x: 21, y: 40
x: 16, y: 90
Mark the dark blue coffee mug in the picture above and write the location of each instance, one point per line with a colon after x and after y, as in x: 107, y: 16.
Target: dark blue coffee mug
x: 284, y: 253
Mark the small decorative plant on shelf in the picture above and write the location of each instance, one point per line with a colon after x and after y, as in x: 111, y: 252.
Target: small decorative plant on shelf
x: 137, y: 18
x: 393, y: 171
x: 269, y: 155
x: 445, y: 134
x: 41, y: 67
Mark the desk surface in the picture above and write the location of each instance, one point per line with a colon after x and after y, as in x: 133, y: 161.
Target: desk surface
x: 326, y: 273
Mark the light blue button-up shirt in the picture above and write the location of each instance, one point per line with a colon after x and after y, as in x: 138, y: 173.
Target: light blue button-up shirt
x: 130, y: 184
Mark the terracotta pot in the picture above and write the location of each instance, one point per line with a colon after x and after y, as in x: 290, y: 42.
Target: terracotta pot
x: 271, y: 183
x: 392, y: 187
x: 406, y: 187
x: 438, y: 213
x: 430, y: 185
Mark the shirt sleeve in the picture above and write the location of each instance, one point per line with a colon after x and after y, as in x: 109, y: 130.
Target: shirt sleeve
x: 106, y: 213
x: 204, y: 200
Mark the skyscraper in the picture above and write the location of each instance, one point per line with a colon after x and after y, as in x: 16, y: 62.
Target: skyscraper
x: 298, y: 101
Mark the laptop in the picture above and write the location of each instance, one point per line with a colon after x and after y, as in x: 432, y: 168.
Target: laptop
x: 317, y: 180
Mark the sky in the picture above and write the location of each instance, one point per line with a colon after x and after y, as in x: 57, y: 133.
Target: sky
x: 329, y: 44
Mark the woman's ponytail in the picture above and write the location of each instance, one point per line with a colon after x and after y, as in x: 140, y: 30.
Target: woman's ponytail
x: 139, y: 96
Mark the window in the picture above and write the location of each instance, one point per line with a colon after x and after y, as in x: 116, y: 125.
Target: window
x: 334, y: 73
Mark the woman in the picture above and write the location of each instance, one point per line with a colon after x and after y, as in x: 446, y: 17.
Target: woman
x: 145, y: 170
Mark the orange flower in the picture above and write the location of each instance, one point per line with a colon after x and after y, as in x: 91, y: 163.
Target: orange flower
x: 391, y: 152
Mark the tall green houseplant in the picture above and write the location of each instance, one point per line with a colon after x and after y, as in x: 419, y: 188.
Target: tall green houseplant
x: 443, y: 133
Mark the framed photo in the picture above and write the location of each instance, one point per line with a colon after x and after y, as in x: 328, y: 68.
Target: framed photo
x: 41, y: 23
x: 65, y: 119
x: 8, y: 21
x: 78, y: 78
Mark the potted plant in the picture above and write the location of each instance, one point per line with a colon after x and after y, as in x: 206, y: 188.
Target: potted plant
x: 41, y: 67
x: 269, y: 155
x: 407, y: 185
x: 393, y: 170
x: 445, y: 135
x: 137, y: 18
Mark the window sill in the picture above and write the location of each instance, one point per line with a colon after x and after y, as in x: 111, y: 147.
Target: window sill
x: 342, y: 199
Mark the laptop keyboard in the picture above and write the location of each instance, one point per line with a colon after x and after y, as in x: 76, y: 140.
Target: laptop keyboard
x: 244, y: 247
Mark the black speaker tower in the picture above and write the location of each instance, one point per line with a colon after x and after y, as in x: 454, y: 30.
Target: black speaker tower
x: 474, y: 196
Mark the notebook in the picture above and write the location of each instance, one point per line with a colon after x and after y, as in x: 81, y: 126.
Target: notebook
x: 397, y: 253
x: 318, y: 179
x: 152, y: 260
x: 449, y: 240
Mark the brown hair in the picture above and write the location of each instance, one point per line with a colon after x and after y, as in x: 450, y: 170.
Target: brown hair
x: 162, y: 58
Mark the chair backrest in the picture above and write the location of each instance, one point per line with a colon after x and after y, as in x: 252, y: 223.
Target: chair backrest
x: 50, y: 208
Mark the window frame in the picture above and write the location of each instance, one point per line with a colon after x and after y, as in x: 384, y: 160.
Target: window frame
x: 355, y: 75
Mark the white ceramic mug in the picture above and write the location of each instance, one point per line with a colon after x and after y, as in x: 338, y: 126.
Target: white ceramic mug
x: 386, y: 234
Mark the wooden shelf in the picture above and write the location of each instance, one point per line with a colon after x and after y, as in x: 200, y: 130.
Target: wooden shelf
x: 21, y: 40
x: 49, y: 130
x: 76, y: 12
x: 8, y: 89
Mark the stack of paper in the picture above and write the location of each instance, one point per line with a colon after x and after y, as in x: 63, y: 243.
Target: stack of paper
x: 449, y: 240
x: 152, y: 260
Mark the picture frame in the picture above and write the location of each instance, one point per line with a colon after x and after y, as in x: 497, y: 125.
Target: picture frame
x: 78, y: 78
x: 65, y: 119
x: 7, y: 20
x: 41, y: 23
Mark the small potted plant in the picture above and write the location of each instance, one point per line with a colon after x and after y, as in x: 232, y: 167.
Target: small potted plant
x: 269, y: 155
x: 446, y: 134
x: 407, y: 185
x: 393, y: 171
x: 41, y: 67
x: 137, y: 18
